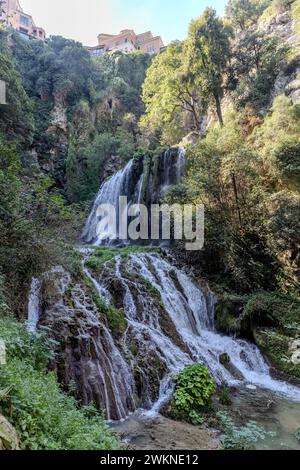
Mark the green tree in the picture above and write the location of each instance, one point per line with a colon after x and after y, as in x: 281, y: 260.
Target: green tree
x: 208, y: 53
x: 15, y: 116
x: 257, y: 60
x: 245, y: 13
x: 173, y: 104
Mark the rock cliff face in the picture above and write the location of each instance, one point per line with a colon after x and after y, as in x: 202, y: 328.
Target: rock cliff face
x: 127, y: 325
x: 283, y: 24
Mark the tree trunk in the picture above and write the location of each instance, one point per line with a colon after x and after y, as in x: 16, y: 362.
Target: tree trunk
x: 236, y: 198
x: 219, y: 110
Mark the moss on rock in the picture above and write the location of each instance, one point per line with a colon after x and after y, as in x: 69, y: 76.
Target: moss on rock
x: 275, y: 345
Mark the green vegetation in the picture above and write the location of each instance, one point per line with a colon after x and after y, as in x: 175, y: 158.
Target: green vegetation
x: 193, y: 392
x: 251, y: 207
x: 243, y: 14
x: 44, y: 417
x: 224, y: 396
x: 295, y: 10
x: 114, y: 317
x: 264, y: 308
x: 170, y: 94
x: 102, y: 255
x: 258, y: 59
x: 275, y: 7
x: 271, y: 318
x: 208, y: 52
x: 240, y: 438
x: 77, y: 114
x: 245, y: 169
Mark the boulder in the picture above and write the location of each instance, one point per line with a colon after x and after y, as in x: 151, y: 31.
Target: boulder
x: 294, y: 346
x: 296, y: 358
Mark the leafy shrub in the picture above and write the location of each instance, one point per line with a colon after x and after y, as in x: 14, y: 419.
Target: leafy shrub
x: 240, y: 438
x: 46, y: 418
x: 193, y: 392
x: 36, y: 349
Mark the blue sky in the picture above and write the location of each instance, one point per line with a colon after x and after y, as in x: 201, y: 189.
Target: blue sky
x: 85, y: 19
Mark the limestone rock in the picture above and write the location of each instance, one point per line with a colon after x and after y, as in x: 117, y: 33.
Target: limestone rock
x: 111, y: 166
x: 294, y: 346
x: 296, y: 358
x: 87, y: 360
x: 8, y: 435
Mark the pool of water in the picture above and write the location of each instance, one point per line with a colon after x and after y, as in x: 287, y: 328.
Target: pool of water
x: 270, y: 411
x: 274, y: 413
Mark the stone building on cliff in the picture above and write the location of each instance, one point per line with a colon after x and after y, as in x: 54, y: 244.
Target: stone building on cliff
x: 127, y: 41
x: 12, y: 15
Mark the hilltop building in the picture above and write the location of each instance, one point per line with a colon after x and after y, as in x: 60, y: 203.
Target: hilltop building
x: 128, y: 41
x: 13, y: 16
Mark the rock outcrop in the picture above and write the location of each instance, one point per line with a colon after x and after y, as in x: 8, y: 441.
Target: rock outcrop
x: 8, y: 436
x: 283, y: 25
x: 87, y: 360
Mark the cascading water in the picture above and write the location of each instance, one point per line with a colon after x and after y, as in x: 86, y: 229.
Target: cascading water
x: 191, y: 312
x: 34, y: 307
x: 109, y: 193
x: 111, y: 371
x: 159, y: 175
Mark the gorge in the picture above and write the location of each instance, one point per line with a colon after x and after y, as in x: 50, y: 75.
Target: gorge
x: 112, y: 337
x: 168, y: 317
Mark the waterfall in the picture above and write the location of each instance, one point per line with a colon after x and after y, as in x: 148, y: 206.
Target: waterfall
x: 109, y: 193
x: 109, y: 372
x: 129, y: 182
x: 34, y: 305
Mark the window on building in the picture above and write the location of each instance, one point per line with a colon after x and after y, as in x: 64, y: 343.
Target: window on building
x: 24, y: 20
